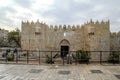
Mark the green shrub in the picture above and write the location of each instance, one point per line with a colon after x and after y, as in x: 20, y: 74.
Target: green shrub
x: 82, y: 56
x: 49, y: 60
x: 10, y: 57
x: 114, y: 57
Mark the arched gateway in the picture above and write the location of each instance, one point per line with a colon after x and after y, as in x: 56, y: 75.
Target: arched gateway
x: 64, y: 47
x: 88, y: 36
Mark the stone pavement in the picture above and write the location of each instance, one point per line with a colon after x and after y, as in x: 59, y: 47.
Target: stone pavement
x: 55, y: 72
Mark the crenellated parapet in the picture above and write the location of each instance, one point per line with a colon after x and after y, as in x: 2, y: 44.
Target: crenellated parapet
x: 28, y: 23
x: 65, y: 27
x: 97, y: 22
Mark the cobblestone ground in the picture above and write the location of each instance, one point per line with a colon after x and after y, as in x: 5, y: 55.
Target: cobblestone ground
x: 55, y: 72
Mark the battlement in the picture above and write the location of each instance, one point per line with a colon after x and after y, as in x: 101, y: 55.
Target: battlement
x: 56, y: 27
x: 64, y: 27
x: 97, y: 22
x: 32, y: 23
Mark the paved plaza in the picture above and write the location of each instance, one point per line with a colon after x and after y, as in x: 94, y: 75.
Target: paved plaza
x: 55, y: 72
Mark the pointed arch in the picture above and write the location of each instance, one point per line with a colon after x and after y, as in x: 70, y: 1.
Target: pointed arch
x: 64, y: 42
x: 64, y: 47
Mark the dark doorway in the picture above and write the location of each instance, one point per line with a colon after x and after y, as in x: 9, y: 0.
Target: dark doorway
x: 64, y: 51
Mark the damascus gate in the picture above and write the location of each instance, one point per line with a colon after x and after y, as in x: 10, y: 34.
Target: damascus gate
x: 90, y: 36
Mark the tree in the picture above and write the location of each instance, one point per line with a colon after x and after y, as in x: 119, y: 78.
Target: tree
x: 14, y: 37
x: 1, y: 41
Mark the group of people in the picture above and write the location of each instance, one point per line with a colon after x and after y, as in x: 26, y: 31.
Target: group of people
x: 8, y: 51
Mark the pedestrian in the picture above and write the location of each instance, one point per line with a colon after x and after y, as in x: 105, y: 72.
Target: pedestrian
x: 69, y: 58
x: 6, y: 54
x: 7, y: 51
x: 3, y: 53
x: 15, y: 50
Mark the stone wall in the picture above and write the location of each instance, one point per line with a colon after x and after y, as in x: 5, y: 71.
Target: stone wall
x: 79, y: 37
x: 93, y: 36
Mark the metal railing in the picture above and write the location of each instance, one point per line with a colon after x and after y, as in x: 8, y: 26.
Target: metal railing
x: 54, y: 57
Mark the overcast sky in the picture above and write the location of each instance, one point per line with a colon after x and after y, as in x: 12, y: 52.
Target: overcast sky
x: 12, y: 12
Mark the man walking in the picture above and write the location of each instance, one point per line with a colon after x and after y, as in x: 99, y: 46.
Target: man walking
x: 69, y: 58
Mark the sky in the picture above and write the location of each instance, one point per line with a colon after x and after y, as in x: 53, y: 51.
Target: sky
x: 52, y: 12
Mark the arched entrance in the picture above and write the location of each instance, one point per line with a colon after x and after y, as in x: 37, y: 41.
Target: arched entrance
x: 64, y: 47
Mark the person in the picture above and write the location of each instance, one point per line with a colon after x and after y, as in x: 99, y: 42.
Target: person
x: 3, y: 53
x: 15, y: 50
x: 7, y: 51
x: 69, y: 58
